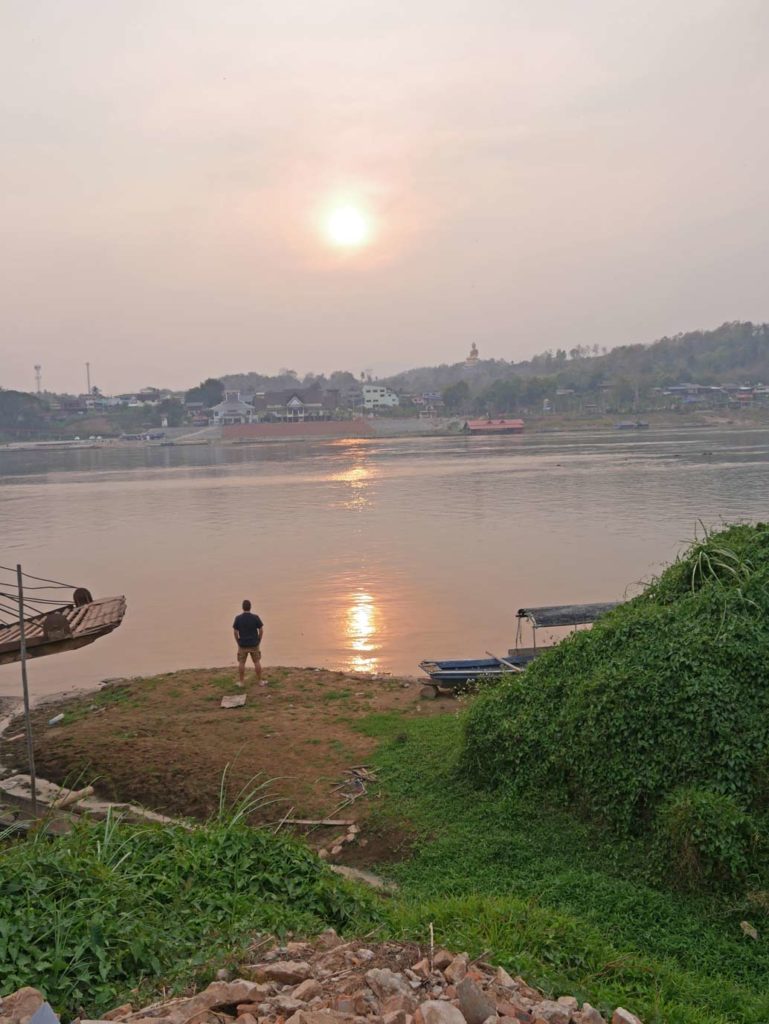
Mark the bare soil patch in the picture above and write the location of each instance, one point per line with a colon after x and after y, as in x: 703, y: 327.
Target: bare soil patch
x: 164, y: 741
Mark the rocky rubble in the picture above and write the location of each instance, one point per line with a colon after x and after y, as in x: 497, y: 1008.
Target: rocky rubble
x: 331, y: 981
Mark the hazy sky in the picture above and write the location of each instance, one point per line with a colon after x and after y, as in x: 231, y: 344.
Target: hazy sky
x: 536, y: 173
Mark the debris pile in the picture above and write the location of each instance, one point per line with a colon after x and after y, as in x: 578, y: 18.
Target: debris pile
x: 335, y: 982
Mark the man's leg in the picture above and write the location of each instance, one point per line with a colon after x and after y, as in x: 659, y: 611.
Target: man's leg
x: 256, y: 657
x: 241, y: 667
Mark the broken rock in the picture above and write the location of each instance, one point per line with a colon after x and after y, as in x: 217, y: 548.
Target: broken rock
x: 551, y: 1012
x: 475, y: 1005
x: 457, y: 969
x: 503, y: 979
x: 437, y: 1011
x: 286, y: 972
x: 588, y: 1015
x: 22, y: 1004
x: 307, y: 990
x: 385, y: 983
x: 623, y: 1016
x: 318, y: 1017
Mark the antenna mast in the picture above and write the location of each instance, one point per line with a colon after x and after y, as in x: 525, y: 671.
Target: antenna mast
x: 38, y: 377
x: 88, y: 377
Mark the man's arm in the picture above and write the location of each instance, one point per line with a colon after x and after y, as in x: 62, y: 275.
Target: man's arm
x: 261, y: 633
x: 237, y: 637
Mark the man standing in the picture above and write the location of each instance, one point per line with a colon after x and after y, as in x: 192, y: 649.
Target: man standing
x: 248, y: 629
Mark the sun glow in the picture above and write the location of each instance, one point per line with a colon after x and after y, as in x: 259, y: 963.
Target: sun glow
x: 347, y: 227
x: 361, y: 629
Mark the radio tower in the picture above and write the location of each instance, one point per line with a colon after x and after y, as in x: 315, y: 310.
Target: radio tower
x: 38, y: 377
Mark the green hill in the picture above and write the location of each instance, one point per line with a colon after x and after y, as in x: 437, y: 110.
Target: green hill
x: 656, y: 721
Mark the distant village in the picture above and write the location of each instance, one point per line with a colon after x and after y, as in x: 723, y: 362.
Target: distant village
x: 470, y: 388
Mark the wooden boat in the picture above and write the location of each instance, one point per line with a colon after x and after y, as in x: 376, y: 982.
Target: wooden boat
x: 631, y: 425
x: 62, y: 629
x: 499, y: 426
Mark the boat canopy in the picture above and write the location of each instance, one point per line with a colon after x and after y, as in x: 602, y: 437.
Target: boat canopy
x: 63, y: 629
x: 566, y: 614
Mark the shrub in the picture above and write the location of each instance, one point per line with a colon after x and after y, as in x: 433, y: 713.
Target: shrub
x: 668, y: 690
x: 88, y: 916
x: 703, y: 837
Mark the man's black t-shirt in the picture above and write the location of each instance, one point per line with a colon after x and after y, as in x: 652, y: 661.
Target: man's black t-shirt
x: 248, y: 626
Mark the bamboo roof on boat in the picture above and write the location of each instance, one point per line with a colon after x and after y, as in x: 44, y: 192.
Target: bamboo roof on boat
x: 566, y: 614
x: 86, y: 622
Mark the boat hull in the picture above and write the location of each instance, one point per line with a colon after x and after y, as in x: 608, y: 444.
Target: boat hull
x: 453, y: 674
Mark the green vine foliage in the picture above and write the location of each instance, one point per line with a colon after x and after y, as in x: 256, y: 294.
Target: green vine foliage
x: 655, y: 721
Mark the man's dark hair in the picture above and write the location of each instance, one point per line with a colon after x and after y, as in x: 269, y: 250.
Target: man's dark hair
x: 246, y: 606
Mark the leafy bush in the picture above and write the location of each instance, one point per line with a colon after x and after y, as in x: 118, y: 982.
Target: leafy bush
x: 703, y: 836
x: 88, y: 916
x: 668, y: 690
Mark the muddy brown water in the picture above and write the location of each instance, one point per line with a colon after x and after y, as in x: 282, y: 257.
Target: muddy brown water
x: 363, y: 554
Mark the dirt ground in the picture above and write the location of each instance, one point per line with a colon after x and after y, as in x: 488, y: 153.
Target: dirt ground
x: 165, y: 742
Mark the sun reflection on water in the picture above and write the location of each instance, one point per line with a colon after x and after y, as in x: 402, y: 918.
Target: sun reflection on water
x: 363, y: 622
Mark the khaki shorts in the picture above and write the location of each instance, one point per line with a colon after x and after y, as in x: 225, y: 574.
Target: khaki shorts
x: 243, y: 653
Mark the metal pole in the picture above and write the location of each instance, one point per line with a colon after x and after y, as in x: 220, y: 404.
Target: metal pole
x: 25, y: 688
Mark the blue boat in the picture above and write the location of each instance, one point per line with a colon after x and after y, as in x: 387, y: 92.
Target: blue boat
x: 455, y: 675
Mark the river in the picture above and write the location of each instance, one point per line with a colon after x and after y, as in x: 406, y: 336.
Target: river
x: 364, y: 554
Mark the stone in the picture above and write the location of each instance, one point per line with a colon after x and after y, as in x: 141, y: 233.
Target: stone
x: 436, y: 1011
x: 307, y: 990
x: 119, y: 1012
x: 457, y: 969
x: 588, y: 1015
x: 287, y: 972
x: 503, y: 979
x: 328, y: 939
x: 317, y: 1017
x: 422, y: 969
x: 623, y: 1016
x: 385, y: 983
x: 287, y: 1005
x: 246, y: 1018
x: 336, y: 850
x: 475, y: 1005
x: 365, y: 954
x: 302, y: 948
x: 569, y: 1002
x: 405, y: 1001
x: 551, y: 1012
x: 442, y: 959
x: 21, y: 1004
x: 398, y: 1017
x: 343, y: 1004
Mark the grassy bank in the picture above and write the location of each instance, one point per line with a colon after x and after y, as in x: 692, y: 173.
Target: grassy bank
x: 556, y: 900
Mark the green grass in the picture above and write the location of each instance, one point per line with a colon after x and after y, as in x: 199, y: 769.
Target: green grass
x: 332, y: 695
x: 555, y: 899
x: 113, y: 911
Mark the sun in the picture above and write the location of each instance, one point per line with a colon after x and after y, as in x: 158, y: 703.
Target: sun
x: 347, y: 227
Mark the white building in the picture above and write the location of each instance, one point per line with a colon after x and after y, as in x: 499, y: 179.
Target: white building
x: 232, y: 410
x: 377, y: 397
